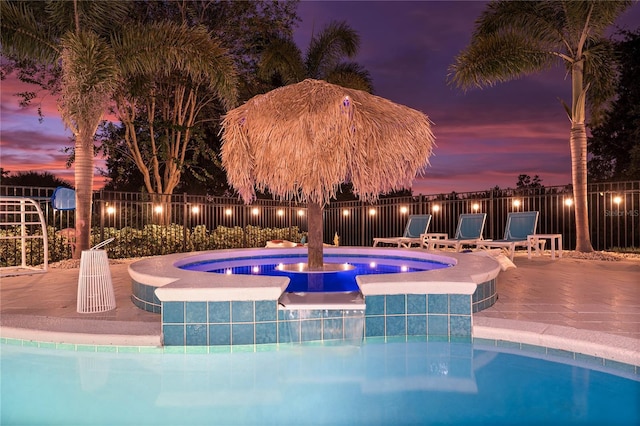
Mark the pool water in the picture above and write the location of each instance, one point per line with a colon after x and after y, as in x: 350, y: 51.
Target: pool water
x: 340, y: 280
x: 385, y: 384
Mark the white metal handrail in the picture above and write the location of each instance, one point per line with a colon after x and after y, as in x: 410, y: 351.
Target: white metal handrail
x: 30, y: 214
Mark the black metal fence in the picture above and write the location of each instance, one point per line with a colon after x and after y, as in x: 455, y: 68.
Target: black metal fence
x: 183, y: 222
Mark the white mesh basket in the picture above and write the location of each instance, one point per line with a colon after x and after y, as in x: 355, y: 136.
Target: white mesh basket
x: 95, y: 289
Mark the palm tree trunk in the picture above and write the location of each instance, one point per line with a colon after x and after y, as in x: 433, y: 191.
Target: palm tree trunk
x: 578, y: 144
x: 315, y: 249
x: 84, y: 188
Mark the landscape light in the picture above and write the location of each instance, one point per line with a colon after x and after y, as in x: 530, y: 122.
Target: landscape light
x: 475, y: 207
x: 403, y: 210
x: 568, y: 202
x: 111, y: 210
x: 372, y: 212
x: 435, y: 208
x: 345, y: 212
x: 516, y: 203
x: 255, y: 211
x: 157, y: 209
x: 280, y: 212
x: 228, y: 212
x: 300, y: 212
x: 195, y: 209
x: 617, y: 199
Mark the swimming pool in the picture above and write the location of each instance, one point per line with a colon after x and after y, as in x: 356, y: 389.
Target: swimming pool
x: 339, y: 276
x: 393, y: 383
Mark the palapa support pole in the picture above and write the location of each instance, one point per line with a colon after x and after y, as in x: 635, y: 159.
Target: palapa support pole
x: 315, y: 247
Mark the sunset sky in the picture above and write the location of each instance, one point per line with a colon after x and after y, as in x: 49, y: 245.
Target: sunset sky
x: 484, y: 137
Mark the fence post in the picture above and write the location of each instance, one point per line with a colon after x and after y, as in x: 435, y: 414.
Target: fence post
x: 101, y: 218
x: 185, y: 215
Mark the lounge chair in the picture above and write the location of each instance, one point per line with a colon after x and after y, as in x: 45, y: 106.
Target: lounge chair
x: 468, y: 232
x: 416, y: 226
x: 519, y: 226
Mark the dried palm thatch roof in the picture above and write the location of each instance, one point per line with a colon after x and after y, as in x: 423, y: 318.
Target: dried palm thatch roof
x: 303, y: 140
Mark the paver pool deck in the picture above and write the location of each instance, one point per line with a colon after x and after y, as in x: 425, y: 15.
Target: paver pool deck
x: 574, y: 302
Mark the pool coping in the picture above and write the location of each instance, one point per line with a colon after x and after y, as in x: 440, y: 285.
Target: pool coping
x: 591, y: 343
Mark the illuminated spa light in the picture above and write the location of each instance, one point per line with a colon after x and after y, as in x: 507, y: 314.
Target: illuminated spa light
x: 255, y: 269
x: 372, y: 264
x: 404, y: 268
x: 280, y: 267
x: 228, y: 272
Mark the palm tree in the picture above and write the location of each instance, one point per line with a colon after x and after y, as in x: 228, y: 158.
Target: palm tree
x: 516, y: 38
x: 70, y: 36
x: 283, y: 63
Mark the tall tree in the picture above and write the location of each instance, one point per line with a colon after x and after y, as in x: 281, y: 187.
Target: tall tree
x: 70, y: 37
x: 516, y: 38
x: 614, y: 145
x: 175, y: 73
x: 283, y: 63
x: 156, y: 131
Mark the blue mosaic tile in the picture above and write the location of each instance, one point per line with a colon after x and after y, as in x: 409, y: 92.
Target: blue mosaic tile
x: 438, y: 304
x: 311, y: 330
x: 416, y: 303
x: 374, y: 326
x: 437, y: 325
x: 173, y: 335
x: 288, y: 332
x: 196, y: 312
x: 242, y: 334
x: 219, y: 334
x: 353, y: 326
x: 266, y: 310
x: 507, y: 344
x: 241, y: 311
x: 459, y: 304
x: 374, y: 305
x: 395, y: 304
x: 460, y: 325
x: 219, y: 312
x: 173, y: 312
x: 333, y: 313
x: 266, y: 332
x: 396, y: 325
x: 332, y: 329
x: 196, y: 334
x: 417, y: 325
x: 560, y: 353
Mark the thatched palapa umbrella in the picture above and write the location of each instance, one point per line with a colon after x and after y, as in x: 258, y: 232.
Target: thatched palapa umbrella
x: 302, y: 141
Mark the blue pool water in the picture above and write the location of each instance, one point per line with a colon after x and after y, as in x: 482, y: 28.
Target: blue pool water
x: 373, y: 384
x: 333, y: 281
